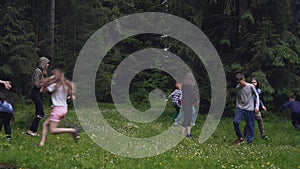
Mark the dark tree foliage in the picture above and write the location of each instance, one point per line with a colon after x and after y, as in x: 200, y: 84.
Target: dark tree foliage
x: 260, y: 38
x: 18, y: 52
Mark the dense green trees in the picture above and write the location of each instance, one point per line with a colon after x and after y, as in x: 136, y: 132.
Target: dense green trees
x: 258, y: 37
x: 18, y: 51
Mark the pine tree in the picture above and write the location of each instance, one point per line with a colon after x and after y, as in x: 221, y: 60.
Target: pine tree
x: 18, y: 54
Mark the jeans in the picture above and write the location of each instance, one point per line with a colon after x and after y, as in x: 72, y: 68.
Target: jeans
x: 249, y: 117
x: 6, y: 122
x: 260, y: 123
x: 296, y: 120
x: 194, y: 116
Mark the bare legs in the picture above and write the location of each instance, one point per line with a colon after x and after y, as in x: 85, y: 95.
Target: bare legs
x: 53, y: 130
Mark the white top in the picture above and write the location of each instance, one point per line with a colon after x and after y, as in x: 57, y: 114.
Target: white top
x: 58, y: 97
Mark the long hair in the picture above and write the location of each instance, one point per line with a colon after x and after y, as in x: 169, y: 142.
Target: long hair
x: 59, y: 79
x: 257, y: 84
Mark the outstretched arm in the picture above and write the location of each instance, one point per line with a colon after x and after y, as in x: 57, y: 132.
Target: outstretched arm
x: 170, y: 96
x: 7, y: 84
x: 283, y: 107
x: 287, y: 104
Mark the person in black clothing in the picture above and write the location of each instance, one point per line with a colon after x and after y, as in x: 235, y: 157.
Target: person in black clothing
x: 39, y: 73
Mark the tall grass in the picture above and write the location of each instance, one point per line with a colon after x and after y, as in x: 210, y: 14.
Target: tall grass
x: 282, y: 150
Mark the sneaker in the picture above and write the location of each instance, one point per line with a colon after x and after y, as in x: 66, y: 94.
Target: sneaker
x: 8, y: 138
x: 193, y: 124
x: 189, y: 136
x: 175, y: 123
x: 265, y: 137
x: 76, y: 135
x: 239, y: 141
x: 34, y: 134
x: 249, y: 143
x: 30, y: 133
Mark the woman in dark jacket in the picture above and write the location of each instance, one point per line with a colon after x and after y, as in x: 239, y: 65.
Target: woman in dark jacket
x: 39, y: 73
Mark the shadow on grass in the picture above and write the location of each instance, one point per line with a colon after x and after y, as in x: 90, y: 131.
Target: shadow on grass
x: 8, y: 166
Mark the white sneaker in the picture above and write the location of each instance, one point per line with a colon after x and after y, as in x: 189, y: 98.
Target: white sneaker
x: 175, y: 123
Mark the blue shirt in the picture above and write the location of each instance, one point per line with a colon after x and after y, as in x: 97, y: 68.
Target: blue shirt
x: 6, y: 107
x: 293, y: 105
x: 261, y: 104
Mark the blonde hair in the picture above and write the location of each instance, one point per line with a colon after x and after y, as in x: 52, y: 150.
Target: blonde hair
x: 178, y: 85
x: 59, y: 79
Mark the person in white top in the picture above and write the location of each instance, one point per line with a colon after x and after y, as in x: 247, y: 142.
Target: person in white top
x: 61, y: 89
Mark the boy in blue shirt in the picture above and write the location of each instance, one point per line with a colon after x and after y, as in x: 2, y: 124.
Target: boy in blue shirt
x: 295, y: 109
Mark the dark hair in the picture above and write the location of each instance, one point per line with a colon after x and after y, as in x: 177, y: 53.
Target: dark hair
x: 292, y: 96
x: 239, y: 76
x: 257, y: 84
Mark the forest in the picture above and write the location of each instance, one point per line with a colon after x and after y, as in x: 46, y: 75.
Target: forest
x: 260, y: 38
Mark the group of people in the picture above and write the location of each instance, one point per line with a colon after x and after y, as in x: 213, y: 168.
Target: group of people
x: 248, y: 105
x: 61, y: 90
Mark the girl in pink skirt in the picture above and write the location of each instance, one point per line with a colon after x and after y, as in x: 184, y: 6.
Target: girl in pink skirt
x: 61, y: 89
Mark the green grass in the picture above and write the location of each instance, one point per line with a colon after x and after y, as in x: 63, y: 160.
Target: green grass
x: 282, y: 150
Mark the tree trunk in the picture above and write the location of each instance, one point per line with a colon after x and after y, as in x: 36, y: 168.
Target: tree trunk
x: 75, y: 39
x: 242, y: 25
x: 52, y: 25
x: 243, y: 6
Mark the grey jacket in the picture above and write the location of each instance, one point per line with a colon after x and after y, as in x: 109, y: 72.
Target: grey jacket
x: 38, y: 72
x: 244, y: 98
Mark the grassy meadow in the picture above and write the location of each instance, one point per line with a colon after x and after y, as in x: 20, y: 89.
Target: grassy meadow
x: 282, y: 150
